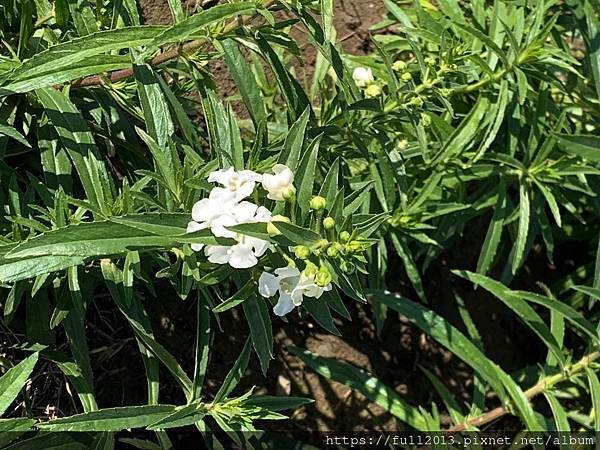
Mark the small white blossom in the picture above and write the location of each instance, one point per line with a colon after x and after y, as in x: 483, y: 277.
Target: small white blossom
x: 237, y: 185
x: 248, y: 249
x: 362, y: 76
x: 280, y: 184
x: 292, y: 286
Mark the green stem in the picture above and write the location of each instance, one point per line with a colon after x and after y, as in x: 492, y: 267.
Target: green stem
x: 539, y: 388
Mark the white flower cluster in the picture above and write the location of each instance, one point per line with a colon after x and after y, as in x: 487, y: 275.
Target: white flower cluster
x: 292, y: 286
x: 226, y: 207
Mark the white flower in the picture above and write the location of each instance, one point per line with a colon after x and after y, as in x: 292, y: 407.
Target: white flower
x: 237, y: 185
x: 280, y: 183
x: 248, y: 249
x: 292, y: 286
x: 362, y: 76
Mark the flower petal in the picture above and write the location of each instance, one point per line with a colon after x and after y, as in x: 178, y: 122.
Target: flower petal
x: 284, y: 305
x: 242, y: 256
x: 267, y: 284
x: 218, y: 254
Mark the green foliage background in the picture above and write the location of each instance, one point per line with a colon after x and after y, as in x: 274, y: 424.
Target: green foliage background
x: 109, y: 128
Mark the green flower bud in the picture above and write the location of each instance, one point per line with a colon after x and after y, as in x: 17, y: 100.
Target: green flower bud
x: 290, y: 194
x: 445, y: 92
x: 328, y: 223
x: 333, y: 251
x: 373, y: 90
x: 399, y: 66
x: 425, y: 120
x: 310, y: 270
x: 302, y: 252
x: 416, y: 101
x: 347, y: 267
x: 430, y: 61
x: 344, y: 236
x: 406, y: 77
x: 318, y: 203
x: 354, y: 246
x: 323, y: 277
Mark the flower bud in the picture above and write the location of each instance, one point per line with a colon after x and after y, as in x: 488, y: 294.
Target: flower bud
x: 302, y: 252
x: 318, y: 203
x: 416, y: 101
x: 347, y: 267
x: 334, y: 250
x: 271, y: 228
x: 430, y: 61
x: 323, y: 277
x: 406, y: 77
x: 399, y: 66
x: 445, y: 92
x: 344, y: 236
x: 373, y: 90
x: 328, y: 223
x: 425, y: 120
x: 354, y: 247
x: 289, y: 194
x: 310, y: 270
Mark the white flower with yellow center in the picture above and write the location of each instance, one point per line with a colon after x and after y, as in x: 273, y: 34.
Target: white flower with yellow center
x: 279, y: 184
x: 292, y: 285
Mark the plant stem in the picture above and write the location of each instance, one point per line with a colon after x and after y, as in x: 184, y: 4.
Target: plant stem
x: 168, y: 55
x: 538, y: 388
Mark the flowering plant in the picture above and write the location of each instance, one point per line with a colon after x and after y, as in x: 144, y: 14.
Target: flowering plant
x: 184, y: 252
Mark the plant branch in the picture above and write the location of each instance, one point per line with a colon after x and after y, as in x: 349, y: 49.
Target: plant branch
x: 537, y: 389
x: 164, y: 56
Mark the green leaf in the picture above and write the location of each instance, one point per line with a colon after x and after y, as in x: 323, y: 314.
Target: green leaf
x: 183, y: 30
x: 22, y: 269
x: 561, y: 421
x: 15, y: 425
x: 76, y: 138
x: 240, y: 296
x: 592, y: 292
x: 304, y: 177
x: 294, y: 140
x: 156, y: 112
x: 135, y: 314
x: 444, y: 333
x: 93, y: 239
x: 319, y: 310
x: 525, y: 312
x: 583, y: 145
x: 9, y: 131
x: 595, y: 391
x: 261, y: 331
x: 45, y: 65
x: 298, y: 235
x: 202, y: 343
x: 278, y: 403
x: 245, y: 81
x: 366, y: 384
x: 110, y: 419
x: 494, y: 232
x: 236, y: 373
x: 176, y: 10
x: 523, y: 231
x: 14, y: 380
